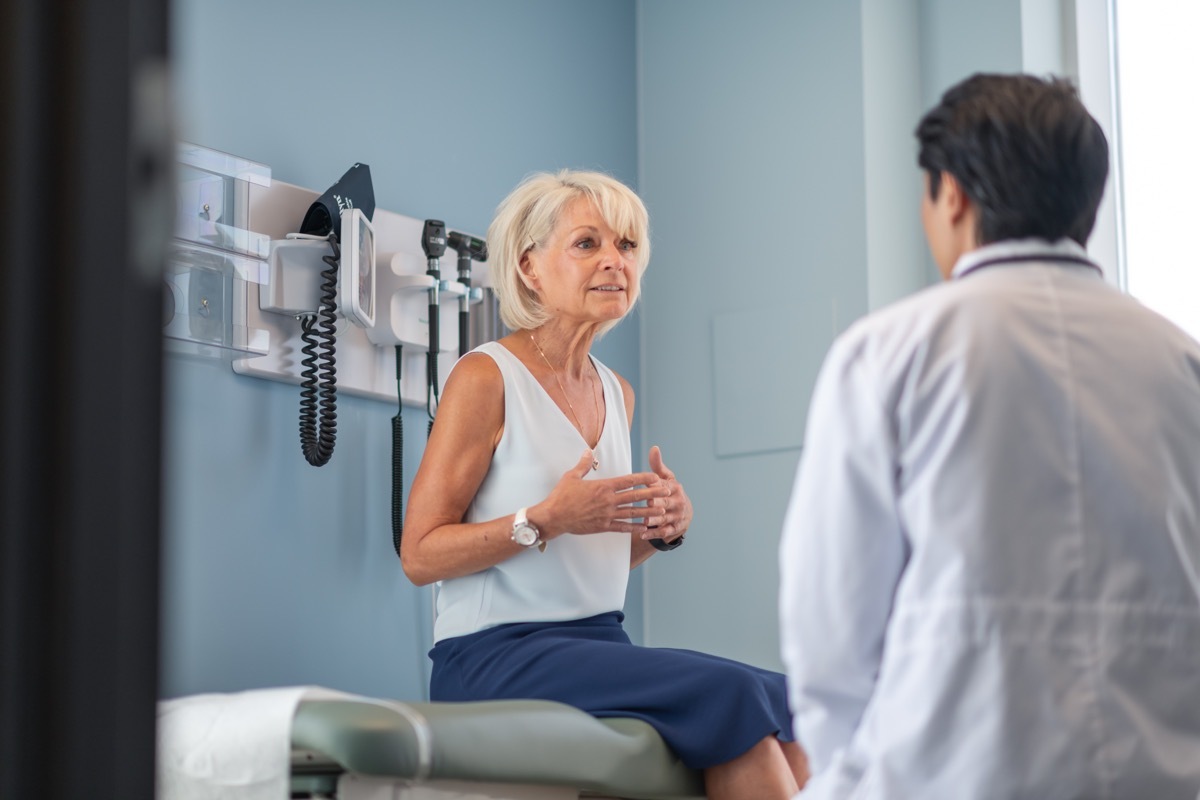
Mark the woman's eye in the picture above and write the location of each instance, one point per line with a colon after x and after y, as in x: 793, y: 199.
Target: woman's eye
x: 627, y: 245
x: 585, y: 244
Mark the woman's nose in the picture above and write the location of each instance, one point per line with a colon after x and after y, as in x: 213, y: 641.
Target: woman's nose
x: 613, y: 258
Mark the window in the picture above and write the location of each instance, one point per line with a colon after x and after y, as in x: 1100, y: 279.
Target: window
x: 1157, y: 79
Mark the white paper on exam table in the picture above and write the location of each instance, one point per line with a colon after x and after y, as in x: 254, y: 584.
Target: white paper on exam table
x: 233, y: 746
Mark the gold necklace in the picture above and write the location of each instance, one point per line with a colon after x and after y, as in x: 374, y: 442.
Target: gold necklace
x: 567, y: 397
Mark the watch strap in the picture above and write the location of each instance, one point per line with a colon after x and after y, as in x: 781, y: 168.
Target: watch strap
x: 664, y: 547
x: 521, y: 519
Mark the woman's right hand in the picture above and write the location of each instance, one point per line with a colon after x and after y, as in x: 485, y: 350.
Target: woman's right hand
x: 581, y: 506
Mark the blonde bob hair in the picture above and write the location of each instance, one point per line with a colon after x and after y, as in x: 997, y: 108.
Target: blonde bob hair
x: 528, y: 216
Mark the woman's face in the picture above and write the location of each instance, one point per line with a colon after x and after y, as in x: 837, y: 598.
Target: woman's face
x: 584, y: 271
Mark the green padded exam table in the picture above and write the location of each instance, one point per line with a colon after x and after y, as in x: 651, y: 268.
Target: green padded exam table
x: 351, y: 747
x: 501, y: 749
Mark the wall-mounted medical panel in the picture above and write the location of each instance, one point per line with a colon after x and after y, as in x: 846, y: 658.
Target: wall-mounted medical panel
x: 205, y: 300
x: 213, y: 256
x: 365, y: 357
x: 213, y: 200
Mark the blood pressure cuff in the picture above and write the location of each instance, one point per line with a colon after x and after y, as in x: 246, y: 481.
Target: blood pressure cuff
x: 353, y: 190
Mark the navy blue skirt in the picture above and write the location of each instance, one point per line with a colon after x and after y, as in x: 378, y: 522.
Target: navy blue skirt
x: 710, y: 710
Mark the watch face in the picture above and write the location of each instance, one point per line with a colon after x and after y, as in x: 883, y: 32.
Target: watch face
x: 525, y: 536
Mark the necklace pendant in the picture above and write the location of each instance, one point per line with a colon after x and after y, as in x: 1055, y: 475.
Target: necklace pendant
x: 595, y: 465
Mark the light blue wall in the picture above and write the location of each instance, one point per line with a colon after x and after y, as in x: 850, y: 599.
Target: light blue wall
x: 777, y: 159
x: 752, y: 167
x: 276, y: 572
x: 897, y: 256
x: 961, y: 37
x: 771, y: 141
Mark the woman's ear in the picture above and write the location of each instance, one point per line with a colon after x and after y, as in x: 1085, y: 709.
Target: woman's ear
x: 528, y: 271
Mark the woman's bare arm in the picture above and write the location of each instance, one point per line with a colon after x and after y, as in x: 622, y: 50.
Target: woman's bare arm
x: 437, y: 544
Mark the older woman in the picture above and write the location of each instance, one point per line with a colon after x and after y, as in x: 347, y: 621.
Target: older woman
x: 526, y: 511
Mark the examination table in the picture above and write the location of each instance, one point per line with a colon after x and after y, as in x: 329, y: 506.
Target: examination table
x: 358, y: 748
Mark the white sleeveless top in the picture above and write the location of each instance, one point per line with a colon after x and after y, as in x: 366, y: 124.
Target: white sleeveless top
x: 577, y: 576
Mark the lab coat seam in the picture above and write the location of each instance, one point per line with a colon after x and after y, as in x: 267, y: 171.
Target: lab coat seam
x: 921, y: 607
x: 866, y: 783
x: 981, y: 621
x: 1092, y: 659
x: 886, y: 417
x: 989, y: 638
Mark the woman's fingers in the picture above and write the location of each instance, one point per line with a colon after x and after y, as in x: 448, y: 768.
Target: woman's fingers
x: 658, y: 513
x: 667, y: 532
x: 632, y: 496
x: 657, y: 465
x: 624, y: 483
x: 623, y: 504
x: 583, y: 466
x: 624, y: 526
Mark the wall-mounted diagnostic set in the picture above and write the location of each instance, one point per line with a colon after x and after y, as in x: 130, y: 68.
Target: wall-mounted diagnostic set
x: 351, y: 299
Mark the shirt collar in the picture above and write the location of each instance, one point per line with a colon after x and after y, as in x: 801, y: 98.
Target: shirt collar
x: 1010, y: 250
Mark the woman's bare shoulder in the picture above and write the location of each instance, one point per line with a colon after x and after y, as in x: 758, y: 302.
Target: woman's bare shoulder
x: 626, y: 393
x: 475, y: 387
x: 477, y: 370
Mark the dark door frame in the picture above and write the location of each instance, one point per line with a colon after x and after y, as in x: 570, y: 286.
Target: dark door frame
x: 85, y: 188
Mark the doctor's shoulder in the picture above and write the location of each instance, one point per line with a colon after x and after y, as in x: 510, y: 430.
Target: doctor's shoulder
x: 900, y: 325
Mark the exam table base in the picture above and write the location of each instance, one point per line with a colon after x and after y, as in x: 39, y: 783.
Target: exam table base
x: 358, y: 787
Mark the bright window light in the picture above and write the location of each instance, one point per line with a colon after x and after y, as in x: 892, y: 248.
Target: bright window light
x: 1158, y: 75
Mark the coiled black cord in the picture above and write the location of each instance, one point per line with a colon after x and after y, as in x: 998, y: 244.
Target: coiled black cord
x: 318, y: 428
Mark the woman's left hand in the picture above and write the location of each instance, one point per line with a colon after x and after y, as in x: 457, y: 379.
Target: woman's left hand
x: 673, y: 513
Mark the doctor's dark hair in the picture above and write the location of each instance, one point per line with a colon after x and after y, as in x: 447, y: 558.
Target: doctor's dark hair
x: 1026, y: 152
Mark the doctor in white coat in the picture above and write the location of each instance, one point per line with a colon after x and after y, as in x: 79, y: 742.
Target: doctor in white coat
x: 985, y: 587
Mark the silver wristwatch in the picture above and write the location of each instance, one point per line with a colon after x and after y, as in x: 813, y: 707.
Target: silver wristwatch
x: 525, y: 533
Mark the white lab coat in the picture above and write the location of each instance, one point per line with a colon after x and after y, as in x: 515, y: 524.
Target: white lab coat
x: 981, y: 591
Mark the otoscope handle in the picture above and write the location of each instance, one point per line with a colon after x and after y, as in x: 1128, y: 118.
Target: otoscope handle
x: 435, y: 347
x: 433, y: 242
x: 464, y: 268
x: 434, y: 320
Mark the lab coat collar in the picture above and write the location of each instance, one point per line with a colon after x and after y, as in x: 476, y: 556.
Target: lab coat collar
x: 1016, y: 250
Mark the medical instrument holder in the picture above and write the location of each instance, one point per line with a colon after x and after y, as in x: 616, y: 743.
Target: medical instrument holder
x: 214, y: 257
x: 401, y: 297
x: 366, y: 361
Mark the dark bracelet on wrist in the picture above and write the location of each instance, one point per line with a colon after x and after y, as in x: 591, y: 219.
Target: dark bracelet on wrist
x: 659, y: 544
